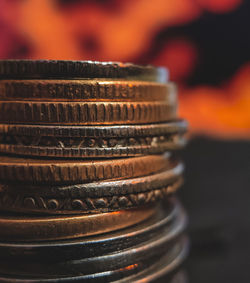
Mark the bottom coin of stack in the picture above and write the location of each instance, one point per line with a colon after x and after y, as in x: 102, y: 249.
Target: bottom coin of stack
x: 154, y: 247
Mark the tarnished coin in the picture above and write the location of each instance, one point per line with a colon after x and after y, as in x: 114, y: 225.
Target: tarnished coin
x: 86, y: 113
x: 37, y: 171
x: 90, y: 141
x: 87, y: 90
x: 152, y: 248
x: 167, y: 214
x: 164, y: 267
x: 91, y: 197
x: 138, y: 257
x: 39, y: 228
x: 116, y: 131
x: 44, y: 69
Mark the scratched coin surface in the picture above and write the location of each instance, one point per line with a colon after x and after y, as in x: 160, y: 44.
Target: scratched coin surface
x: 39, y: 228
x: 86, y: 113
x: 166, y: 216
x: 91, y: 197
x: 44, y: 69
x: 90, y: 141
x: 38, y: 171
x: 86, y: 90
x: 146, y: 252
x: 159, y: 236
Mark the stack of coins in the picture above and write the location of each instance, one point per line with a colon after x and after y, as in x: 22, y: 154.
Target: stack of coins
x: 88, y: 167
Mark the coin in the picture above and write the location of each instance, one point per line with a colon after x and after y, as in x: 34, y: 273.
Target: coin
x: 37, y: 69
x: 37, y: 171
x: 92, y: 141
x: 137, y: 258
x: 91, y: 197
x: 87, y: 90
x: 38, y: 228
x: 92, y: 147
x: 164, y: 266
x: 148, y: 242
x: 85, y: 113
x: 179, y: 126
x: 148, y: 268
x: 167, y: 215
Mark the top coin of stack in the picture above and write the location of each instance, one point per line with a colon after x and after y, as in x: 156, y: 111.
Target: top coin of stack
x: 56, y: 115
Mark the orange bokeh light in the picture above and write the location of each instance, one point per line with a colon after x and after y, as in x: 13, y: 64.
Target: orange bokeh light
x: 88, y: 30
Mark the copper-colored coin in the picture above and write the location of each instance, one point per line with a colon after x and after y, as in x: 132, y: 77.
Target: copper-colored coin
x: 86, y: 90
x: 37, y: 69
x: 38, y: 228
x: 36, y: 171
x: 90, y: 141
x: 86, y: 113
x: 91, y: 197
x: 177, y: 126
x: 93, y: 147
x: 167, y: 215
x: 155, y: 241
x: 16, y: 201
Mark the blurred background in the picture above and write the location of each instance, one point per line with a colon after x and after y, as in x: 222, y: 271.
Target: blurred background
x: 206, y: 46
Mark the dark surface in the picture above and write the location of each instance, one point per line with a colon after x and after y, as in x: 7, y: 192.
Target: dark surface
x: 216, y: 195
x: 142, y: 251
x: 31, y: 69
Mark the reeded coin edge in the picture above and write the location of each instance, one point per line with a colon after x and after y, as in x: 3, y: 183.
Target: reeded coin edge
x: 42, y: 171
x: 86, y: 90
x: 70, y: 113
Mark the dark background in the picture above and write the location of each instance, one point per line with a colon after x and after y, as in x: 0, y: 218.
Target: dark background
x: 216, y: 196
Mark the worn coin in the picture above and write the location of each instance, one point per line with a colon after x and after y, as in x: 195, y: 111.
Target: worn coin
x: 128, y: 246
x: 92, y: 197
x: 116, y: 131
x: 138, y: 257
x: 44, y: 171
x: 39, y: 228
x: 85, y: 113
x: 150, y: 243
x: 44, y: 69
x: 167, y: 215
x: 86, y: 90
x: 90, y: 141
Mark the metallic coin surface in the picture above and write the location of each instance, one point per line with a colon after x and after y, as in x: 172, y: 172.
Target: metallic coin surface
x: 38, y: 69
x: 178, y: 126
x: 78, y: 148
x: 38, y: 228
x: 140, y: 255
x: 165, y: 247
x: 105, y: 188
x: 86, y: 90
x: 90, y: 141
x: 164, y: 266
x: 38, y: 171
x: 92, y: 197
x: 86, y: 113
x: 167, y: 215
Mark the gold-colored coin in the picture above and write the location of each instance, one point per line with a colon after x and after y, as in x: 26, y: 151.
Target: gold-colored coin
x: 38, y: 171
x: 87, y: 90
x: 39, y: 228
x: 86, y: 113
